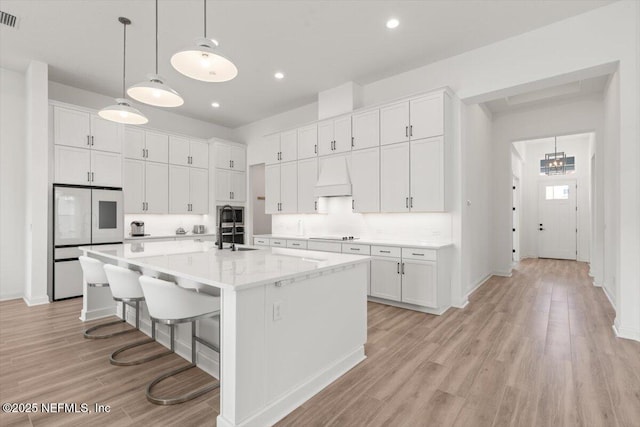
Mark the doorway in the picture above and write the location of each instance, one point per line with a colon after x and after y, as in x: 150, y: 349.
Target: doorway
x: 557, y: 230
x: 261, y: 222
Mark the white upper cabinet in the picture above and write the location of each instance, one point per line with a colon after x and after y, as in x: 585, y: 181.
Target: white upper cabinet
x: 72, y: 165
x: 334, y: 136
x: 188, y: 190
x: 134, y: 182
x: 366, y: 130
x: 228, y: 156
x: 427, y: 175
x: 272, y: 189
x: 143, y: 145
x: 238, y: 186
x: 230, y: 185
x: 106, y: 135
x: 238, y: 158
x: 199, y: 191
x: 365, y: 180
x: 134, y: 144
x: 289, y: 146
x: 325, y: 138
x: 289, y: 187
x: 394, y: 123
x: 156, y: 180
x: 106, y: 169
x: 81, y: 129
x: 427, y: 116
x: 179, y: 151
x: 272, y: 147
x: 199, y: 152
x: 307, y: 179
x: 308, y: 141
x: 394, y: 178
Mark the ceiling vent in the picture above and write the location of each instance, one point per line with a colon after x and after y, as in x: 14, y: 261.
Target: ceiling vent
x: 8, y: 19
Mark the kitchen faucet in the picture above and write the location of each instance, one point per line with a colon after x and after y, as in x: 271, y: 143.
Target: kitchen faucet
x: 233, y: 230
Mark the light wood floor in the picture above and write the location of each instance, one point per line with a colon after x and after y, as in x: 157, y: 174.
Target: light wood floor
x: 536, y: 349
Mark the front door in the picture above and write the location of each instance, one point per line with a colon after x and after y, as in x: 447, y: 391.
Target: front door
x: 557, y: 219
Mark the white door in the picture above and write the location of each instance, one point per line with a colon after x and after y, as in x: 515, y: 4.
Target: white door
x: 157, y: 146
x: 272, y: 146
x: 289, y: 187
x: 308, y: 142
x: 394, y: 178
x: 366, y: 130
x: 307, y: 179
x: 199, y: 191
x: 133, y: 186
x: 178, y: 189
x: 133, y: 144
x: 427, y: 175
x: 557, y: 219
x: 107, y: 216
x: 272, y: 188
x: 427, y: 116
x: 223, y: 185
x: 238, y: 186
x: 342, y: 134
x: 325, y: 138
x: 289, y: 145
x: 222, y: 156
x: 365, y: 180
x: 238, y: 158
x: 179, y: 151
x: 72, y: 216
x: 106, y: 135
x: 157, y: 188
x: 71, y: 127
x: 394, y: 123
x: 419, y: 282
x: 386, y: 278
x: 72, y: 165
x: 106, y: 169
x: 199, y: 153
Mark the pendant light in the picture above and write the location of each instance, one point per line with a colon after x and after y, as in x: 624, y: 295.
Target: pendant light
x: 122, y: 111
x: 203, y: 60
x: 155, y: 91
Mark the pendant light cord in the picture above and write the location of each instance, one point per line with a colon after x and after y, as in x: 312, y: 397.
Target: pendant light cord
x: 156, y: 37
x: 124, y: 60
x: 205, y: 18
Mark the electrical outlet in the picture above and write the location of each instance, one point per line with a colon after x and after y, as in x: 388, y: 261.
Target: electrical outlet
x: 277, y: 310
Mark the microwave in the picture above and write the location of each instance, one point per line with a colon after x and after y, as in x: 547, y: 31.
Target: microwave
x: 228, y: 216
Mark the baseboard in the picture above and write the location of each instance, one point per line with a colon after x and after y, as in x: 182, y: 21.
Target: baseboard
x: 408, y: 306
x: 626, y: 333
x: 87, y: 315
x: 43, y: 299
x: 477, y: 285
x: 606, y: 292
x: 279, y: 409
x: 9, y: 297
x: 502, y: 273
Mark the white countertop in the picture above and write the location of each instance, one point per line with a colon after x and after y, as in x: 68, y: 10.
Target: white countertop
x: 367, y: 241
x: 202, y: 262
x: 189, y: 235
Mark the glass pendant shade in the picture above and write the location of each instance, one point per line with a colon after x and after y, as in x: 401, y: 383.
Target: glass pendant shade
x: 155, y: 92
x: 202, y: 61
x: 123, y: 112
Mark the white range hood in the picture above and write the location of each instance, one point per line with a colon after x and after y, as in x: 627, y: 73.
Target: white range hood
x: 334, y: 180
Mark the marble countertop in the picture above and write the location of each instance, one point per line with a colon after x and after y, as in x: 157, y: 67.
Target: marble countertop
x: 368, y: 241
x: 189, y: 235
x: 202, y: 262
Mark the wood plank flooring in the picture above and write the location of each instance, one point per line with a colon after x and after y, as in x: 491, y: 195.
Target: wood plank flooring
x: 536, y: 349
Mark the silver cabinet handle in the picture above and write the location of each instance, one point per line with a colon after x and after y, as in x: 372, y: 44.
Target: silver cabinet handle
x: 410, y: 202
x: 410, y: 130
x: 353, y: 204
x: 92, y: 177
x: 88, y: 139
x: 315, y: 149
x: 406, y: 131
x: 385, y: 252
x: 230, y: 165
x: 233, y: 163
x: 406, y: 202
x: 354, y: 249
x: 415, y: 254
x: 92, y: 140
x: 403, y: 268
x: 88, y: 176
x: 352, y: 145
x: 398, y: 271
x: 315, y: 205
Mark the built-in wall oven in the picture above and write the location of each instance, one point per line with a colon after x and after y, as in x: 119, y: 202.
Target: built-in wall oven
x: 228, y: 216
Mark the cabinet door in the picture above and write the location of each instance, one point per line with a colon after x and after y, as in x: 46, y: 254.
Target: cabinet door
x: 386, y: 278
x: 133, y: 186
x: 427, y: 175
x: 365, y: 180
x: 71, y: 128
x: 106, y: 135
x: 178, y: 189
x: 222, y: 156
x: 394, y: 123
x: 308, y: 141
x: 157, y: 146
x: 325, y: 138
x: 157, y: 188
x: 133, y: 144
x: 394, y: 178
x: 366, y: 130
x: 426, y: 116
x: 307, y: 179
x: 272, y: 147
x: 199, y: 190
x: 72, y: 165
x: 342, y: 135
x: 199, y: 154
x: 179, y: 151
x: 289, y: 187
x: 289, y: 146
x: 106, y: 169
x: 223, y: 185
x: 419, y: 282
x: 238, y: 186
x: 272, y: 188
x: 238, y: 158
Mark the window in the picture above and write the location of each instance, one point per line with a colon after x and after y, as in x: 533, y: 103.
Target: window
x: 557, y: 192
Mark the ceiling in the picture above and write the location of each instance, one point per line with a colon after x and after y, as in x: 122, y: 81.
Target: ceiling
x: 317, y: 44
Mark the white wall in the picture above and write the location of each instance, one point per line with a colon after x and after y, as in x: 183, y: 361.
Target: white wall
x: 12, y: 184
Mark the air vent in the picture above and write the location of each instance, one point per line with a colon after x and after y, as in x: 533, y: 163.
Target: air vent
x: 8, y: 19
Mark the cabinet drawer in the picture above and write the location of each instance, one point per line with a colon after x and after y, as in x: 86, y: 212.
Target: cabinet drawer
x: 389, y: 251
x: 261, y: 241
x: 324, y: 246
x: 297, y: 244
x: 356, y: 249
x: 279, y: 242
x: 415, y: 253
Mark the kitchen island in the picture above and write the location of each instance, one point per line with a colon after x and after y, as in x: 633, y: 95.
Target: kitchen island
x: 292, y: 321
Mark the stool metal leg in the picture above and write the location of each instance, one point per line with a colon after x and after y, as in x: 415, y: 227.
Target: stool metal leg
x: 112, y: 357
x: 87, y: 333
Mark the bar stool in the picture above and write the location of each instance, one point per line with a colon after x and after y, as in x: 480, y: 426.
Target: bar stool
x: 125, y: 287
x: 95, y: 277
x: 170, y: 304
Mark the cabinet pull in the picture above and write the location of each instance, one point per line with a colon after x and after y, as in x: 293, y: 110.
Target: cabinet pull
x: 233, y: 163
x: 315, y: 205
x: 315, y: 149
x: 230, y: 165
x: 88, y: 139
x: 143, y: 156
x: 92, y: 140
x: 398, y: 268
x: 352, y: 145
x: 406, y: 202
x: 403, y: 268
x: 354, y: 249
x: 406, y: 131
x: 385, y: 252
x: 410, y: 202
x: 415, y: 254
x: 410, y: 130
x: 92, y: 177
x: 353, y: 204
x: 88, y: 176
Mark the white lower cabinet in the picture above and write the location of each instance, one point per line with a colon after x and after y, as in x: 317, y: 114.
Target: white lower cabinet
x: 386, y: 279
x: 419, y: 283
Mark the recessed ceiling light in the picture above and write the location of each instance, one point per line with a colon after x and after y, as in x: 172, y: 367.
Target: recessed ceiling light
x: 279, y: 75
x: 215, y: 104
x: 392, y: 23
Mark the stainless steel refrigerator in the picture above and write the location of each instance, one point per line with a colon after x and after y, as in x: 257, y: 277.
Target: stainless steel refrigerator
x: 81, y: 216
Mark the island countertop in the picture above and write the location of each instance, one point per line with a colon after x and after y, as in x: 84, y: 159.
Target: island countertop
x: 202, y: 262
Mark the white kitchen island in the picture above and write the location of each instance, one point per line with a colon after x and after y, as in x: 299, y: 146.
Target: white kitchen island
x: 292, y: 321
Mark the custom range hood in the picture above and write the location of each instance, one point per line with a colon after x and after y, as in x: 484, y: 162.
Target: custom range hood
x: 334, y: 180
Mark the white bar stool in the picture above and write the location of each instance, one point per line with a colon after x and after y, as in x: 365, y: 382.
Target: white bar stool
x: 95, y: 277
x: 170, y: 304
x: 125, y: 287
